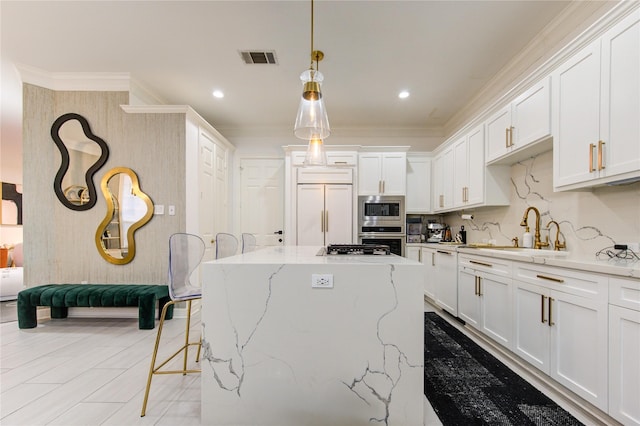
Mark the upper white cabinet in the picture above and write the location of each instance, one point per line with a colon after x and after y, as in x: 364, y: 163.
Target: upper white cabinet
x: 443, y: 180
x: 520, y: 125
x: 382, y: 173
x: 418, y: 198
x: 461, y: 178
x: 596, y: 105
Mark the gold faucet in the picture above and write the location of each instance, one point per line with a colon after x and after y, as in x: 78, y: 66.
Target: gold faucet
x: 557, y: 245
x: 538, y: 244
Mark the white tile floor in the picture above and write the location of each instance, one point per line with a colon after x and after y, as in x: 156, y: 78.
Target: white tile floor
x: 88, y: 371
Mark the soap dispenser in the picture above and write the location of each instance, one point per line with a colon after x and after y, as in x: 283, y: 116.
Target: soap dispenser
x: 527, y: 239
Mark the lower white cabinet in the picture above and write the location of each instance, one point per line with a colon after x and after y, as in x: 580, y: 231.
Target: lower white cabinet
x: 428, y: 259
x: 485, y: 296
x: 624, y: 351
x: 446, y: 280
x: 426, y: 256
x: 560, y: 327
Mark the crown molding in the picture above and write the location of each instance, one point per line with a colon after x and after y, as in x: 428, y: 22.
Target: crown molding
x: 75, y: 81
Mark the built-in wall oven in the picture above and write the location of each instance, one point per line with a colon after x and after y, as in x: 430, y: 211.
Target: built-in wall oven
x: 381, y: 221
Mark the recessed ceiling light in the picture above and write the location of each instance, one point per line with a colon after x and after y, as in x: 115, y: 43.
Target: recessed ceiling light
x: 218, y: 94
x: 403, y: 95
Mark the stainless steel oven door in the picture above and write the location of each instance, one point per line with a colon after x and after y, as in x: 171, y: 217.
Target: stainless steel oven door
x: 395, y: 242
x: 381, y: 210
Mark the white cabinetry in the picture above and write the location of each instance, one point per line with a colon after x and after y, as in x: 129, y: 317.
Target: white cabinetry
x: 461, y: 178
x: 382, y: 173
x: 324, y: 206
x: 446, y: 280
x: 324, y: 214
x: 560, y: 320
x: 520, y: 125
x: 469, y: 169
x: 485, y: 296
x: 426, y: 256
x: 418, y: 198
x: 596, y: 105
x: 624, y: 350
x: 443, y: 180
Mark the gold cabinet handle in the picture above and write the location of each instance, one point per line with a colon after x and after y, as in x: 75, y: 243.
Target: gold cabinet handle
x: 475, y: 262
x: 511, y: 136
x: 444, y: 252
x: 326, y: 221
x: 441, y: 198
x: 339, y: 162
x: 383, y: 187
x: 542, y: 318
x: 479, y: 286
x: 476, y: 291
x: 544, y: 277
x: 506, y: 137
x: 550, y: 308
x: 433, y: 258
x: 600, y: 154
x: 591, y: 148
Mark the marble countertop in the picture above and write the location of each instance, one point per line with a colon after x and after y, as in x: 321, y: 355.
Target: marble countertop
x: 618, y: 267
x: 309, y: 255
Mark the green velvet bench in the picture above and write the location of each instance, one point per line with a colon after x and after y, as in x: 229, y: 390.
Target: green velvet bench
x: 60, y: 297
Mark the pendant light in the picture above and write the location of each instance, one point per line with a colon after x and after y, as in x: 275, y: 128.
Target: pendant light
x: 312, y: 123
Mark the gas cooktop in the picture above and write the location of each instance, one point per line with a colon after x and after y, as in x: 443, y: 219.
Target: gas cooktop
x: 377, y: 249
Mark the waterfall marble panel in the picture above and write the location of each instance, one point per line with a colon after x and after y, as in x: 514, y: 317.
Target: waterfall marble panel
x: 279, y: 352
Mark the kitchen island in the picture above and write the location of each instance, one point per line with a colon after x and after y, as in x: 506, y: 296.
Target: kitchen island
x: 277, y: 351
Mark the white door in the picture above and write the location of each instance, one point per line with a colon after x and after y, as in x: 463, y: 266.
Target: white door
x: 619, y: 125
x: 576, y: 117
x: 469, y: 303
x: 262, y: 199
x: 461, y: 170
x: 497, y: 315
x: 579, y: 345
x: 476, y: 166
x: 338, y: 206
x: 206, y: 183
x: 531, y: 324
x: 394, y: 173
x: 310, y: 215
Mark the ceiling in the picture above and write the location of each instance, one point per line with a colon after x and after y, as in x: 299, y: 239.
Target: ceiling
x: 443, y: 52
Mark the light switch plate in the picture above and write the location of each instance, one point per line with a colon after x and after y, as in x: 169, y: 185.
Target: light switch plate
x: 158, y: 209
x: 322, y: 280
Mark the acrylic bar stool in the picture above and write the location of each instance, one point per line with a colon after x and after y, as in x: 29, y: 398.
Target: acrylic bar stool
x: 185, y: 254
x: 226, y: 245
x: 248, y: 242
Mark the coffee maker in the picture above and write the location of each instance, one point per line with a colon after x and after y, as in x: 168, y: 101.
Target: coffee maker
x: 435, y: 232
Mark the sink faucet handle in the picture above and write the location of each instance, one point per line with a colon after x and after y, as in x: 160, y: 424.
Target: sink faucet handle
x: 515, y: 241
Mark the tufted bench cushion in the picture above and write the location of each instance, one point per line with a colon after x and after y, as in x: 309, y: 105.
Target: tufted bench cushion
x: 60, y: 297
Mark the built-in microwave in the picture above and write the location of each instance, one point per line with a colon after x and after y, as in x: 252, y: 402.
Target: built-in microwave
x: 381, y: 211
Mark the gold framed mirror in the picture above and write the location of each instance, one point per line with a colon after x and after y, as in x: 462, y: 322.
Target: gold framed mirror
x: 128, y: 209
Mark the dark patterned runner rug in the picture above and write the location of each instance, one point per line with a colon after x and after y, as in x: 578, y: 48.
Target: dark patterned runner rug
x: 468, y: 386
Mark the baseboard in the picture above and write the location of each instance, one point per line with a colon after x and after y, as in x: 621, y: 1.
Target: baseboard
x: 578, y: 407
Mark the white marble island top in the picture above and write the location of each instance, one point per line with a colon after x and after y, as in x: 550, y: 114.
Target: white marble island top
x: 278, y: 351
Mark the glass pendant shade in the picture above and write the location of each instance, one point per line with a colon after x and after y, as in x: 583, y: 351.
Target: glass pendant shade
x: 315, y: 154
x: 312, y: 121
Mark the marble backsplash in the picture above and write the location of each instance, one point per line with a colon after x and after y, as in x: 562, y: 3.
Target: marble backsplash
x: 590, y: 220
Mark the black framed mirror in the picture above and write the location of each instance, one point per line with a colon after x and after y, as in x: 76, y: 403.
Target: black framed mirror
x: 82, y: 155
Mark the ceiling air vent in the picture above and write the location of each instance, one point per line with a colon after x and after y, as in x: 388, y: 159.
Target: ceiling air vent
x: 258, y: 57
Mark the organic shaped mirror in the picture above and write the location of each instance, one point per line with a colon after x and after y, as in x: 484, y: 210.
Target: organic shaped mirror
x: 82, y: 153
x: 128, y: 208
